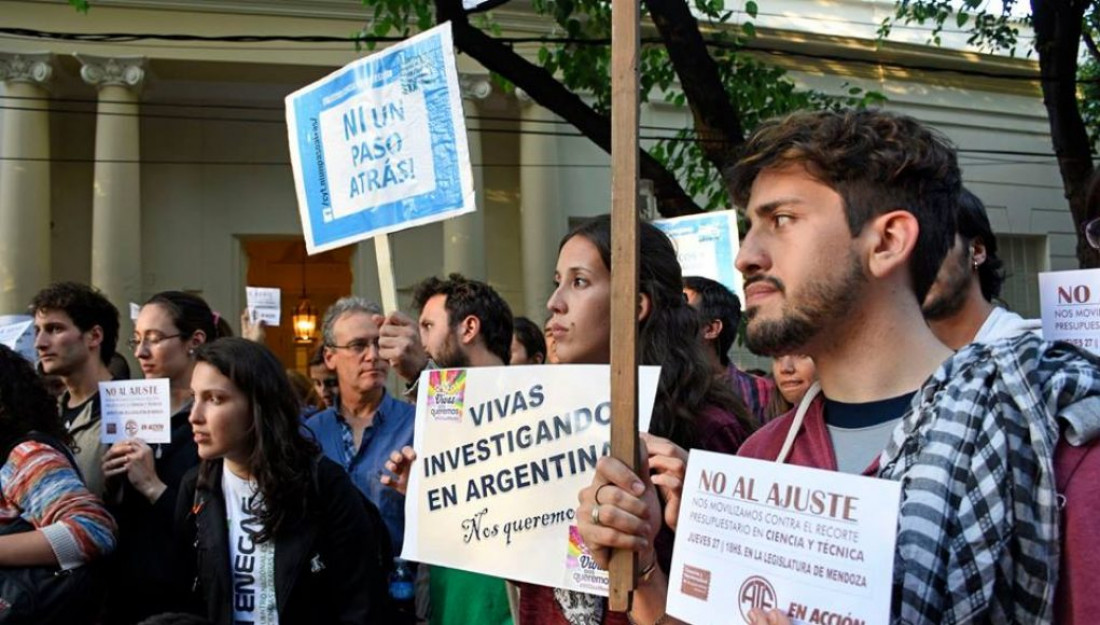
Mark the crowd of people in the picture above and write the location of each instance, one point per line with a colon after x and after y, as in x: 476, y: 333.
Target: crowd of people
x: 871, y: 280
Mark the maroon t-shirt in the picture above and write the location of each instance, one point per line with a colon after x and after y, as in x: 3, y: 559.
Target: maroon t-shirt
x: 1076, y: 472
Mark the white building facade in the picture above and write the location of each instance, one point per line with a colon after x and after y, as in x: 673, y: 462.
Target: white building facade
x: 153, y: 165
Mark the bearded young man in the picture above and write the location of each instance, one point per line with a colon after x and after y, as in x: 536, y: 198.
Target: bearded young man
x: 959, y: 307
x: 463, y: 323
x: 851, y: 214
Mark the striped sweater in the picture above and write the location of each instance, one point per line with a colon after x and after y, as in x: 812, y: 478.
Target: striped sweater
x: 39, y: 485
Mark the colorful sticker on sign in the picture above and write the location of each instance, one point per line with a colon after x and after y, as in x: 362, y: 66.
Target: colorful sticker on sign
x: 446, y: 394
x: 581, y: 566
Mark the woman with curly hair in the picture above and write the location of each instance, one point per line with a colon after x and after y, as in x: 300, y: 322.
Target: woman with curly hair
x: 47, y: 516
x: 270, y: 530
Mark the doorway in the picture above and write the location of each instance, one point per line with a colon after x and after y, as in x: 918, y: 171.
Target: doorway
x: 323, y: 278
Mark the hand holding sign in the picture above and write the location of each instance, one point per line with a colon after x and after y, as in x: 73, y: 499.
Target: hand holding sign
x: 252, y: 330
x: 134, y: 459
x: 667, y: 466
x: 399, y: 344
x: 627, y: 514
x: 399, y: 464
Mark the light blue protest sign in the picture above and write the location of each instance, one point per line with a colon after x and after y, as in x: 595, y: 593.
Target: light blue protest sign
x: 380, y: 144
x: 706, y: 245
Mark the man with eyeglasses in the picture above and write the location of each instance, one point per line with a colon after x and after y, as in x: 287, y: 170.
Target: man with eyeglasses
x: 366, y: 423
x: 959, y: 307
x: 76, y: 333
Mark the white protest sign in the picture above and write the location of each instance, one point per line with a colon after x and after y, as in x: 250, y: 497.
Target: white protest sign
x: 380, y: 144
x: 17, y: 332
x: 1071, y: 307
x: 264, y: 304
x: 706, y: 245
x: 136, y: 409
x: 818, y: 545
x: 502, y: 453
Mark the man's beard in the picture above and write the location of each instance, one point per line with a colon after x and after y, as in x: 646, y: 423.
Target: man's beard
x: 800, y: 321
x: 451, y: 355
x: 947, y: 301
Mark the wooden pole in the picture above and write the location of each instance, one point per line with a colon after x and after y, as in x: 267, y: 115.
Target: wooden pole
x: 386, y: 282
x: 624, y: 254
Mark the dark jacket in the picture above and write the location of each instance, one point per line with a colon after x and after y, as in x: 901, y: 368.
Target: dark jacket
x: 329, y: 566
x: 142, y: 565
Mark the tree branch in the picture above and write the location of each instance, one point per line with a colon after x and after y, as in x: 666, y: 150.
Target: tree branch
x: 1090, y: 43
x: 717, y: 123
x: 672, y: 200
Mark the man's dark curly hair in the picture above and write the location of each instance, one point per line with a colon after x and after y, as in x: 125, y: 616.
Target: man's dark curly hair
x: 25, y: 406
x: 877, y: 162
x: 717, y: 302
x: 467, y: 297
x: 86, y: 306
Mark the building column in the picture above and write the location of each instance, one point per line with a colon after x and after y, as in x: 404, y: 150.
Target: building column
x: 464, y: 237
x: 116, y: 188
x: 542, y: 222
x: 24, y: 179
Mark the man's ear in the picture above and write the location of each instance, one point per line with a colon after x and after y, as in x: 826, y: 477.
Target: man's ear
x: 893, y: 237
x: 469, y: 329
x: 329, y: 355
x: 93, y: 337
x: 645, y: 306
x: 712, y: 329
x: 978, y: 252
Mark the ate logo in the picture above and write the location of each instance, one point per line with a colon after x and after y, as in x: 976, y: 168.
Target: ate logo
x: 756, y: 592
x: 131, y: 428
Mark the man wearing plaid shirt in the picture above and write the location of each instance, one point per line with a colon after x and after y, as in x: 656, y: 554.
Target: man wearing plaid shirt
x: 851, y: 215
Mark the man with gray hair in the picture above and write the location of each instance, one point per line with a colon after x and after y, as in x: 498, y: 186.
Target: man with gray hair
x: 366, y: 423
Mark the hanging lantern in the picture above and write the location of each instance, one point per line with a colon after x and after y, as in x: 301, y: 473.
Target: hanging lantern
x: 305, y: 322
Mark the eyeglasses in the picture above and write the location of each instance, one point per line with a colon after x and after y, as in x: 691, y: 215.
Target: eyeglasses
x: 1092, y: 233
x: 358, y: 346
x: 152, y: 340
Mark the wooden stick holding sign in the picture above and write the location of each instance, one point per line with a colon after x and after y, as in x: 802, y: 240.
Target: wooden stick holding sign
x: 386, y: 283
x: 624, y: 279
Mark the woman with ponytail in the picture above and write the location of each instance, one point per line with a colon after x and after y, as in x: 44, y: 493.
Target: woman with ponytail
x: 143, y: 479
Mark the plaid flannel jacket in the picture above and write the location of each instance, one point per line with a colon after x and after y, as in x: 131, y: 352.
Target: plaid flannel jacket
x: 978, y: 535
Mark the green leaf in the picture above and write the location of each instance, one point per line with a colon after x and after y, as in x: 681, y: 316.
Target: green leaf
x: 962, y: 18
x: 749, y: 29
x: 80, y: 5
x: 751, y: 8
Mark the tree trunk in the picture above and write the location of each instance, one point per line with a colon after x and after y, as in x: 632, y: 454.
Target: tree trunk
x: 1057, y: 38
x: 672, y: 200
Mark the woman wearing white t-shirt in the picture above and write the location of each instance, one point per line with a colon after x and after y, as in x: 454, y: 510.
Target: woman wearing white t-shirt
x: 271, y: 532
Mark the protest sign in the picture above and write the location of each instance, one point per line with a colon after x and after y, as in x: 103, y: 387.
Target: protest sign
x: 135, y: 310
x: 706, y: 245
x: 380, y: 144
x: 17, y: 332
x: 1070, y: 301
x: 264, y: 304
x: 136, y: 409
x: 817, y: 545
x: 502, y: 453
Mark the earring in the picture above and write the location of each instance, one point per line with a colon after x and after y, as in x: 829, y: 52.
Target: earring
x: 975, y: 265
x: 191, y: 352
